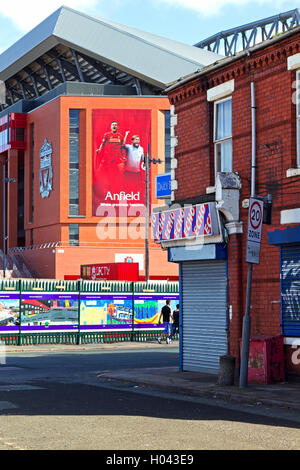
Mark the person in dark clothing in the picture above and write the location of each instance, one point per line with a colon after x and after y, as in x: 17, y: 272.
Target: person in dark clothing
x: 175, y: 324
x: 166, y: 315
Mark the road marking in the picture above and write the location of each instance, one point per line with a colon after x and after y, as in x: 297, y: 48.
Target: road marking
x: 21, y: 387
x: 10, y: 444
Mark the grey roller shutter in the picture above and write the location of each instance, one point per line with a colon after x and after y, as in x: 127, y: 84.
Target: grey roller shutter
x: 290, y: 289
x: 204, y: 318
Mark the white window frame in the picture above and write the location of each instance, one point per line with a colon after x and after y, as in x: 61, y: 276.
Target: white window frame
x: 298, y: 115
x: 220, y: 141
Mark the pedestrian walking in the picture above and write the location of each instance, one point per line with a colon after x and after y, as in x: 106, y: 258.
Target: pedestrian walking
x: 175, y: 324
x: 165, y: 314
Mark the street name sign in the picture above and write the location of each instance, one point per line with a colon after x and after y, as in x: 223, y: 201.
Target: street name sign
x: 255, y: 220
x: 163, y: 186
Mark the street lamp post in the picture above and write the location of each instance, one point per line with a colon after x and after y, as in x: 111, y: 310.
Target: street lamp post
x: 4, y: 181
x: 4, y: 221
x: 147, y: 214
x: 148, y: 161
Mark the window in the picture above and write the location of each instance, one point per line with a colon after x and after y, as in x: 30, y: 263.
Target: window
x: 74, y: 162
x: 20, y: 134
x: 20, y: 182
x: 167, y: 142
x: 73, y: 234
x: 31, y: 140
x: 298, y: 115
x: 4, y: 132
x: 223, y: 135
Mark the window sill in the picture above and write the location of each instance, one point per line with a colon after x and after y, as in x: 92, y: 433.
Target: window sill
x: 292, y: 172
x: 210, y: 189
x: 292, y: 341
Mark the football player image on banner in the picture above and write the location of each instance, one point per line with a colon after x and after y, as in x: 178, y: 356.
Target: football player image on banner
x: 120, y: 138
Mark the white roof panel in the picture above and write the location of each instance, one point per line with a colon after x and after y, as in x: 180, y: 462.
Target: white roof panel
x: 153, y: 58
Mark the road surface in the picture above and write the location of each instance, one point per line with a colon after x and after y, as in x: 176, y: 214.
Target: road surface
x: 58, y: 401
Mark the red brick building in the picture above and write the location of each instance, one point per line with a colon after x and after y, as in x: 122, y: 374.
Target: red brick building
x: 222, y: 116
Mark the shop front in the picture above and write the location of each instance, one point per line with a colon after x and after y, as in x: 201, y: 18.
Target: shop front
x: 288, y: 241
x: 194, y: 239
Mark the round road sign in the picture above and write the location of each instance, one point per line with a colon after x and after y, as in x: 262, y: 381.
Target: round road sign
x: 255, y: 215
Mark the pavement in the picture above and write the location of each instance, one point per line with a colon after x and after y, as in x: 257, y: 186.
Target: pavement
x: 280, y: 395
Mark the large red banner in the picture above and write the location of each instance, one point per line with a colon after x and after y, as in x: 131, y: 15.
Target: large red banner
x: 120, y: 142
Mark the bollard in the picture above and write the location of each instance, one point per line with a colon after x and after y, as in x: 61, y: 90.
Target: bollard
x: 226, y: 370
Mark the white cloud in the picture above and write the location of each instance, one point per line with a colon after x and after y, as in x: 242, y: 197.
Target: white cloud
x: 213, y: 7
x: 25, y: 15
x: 28, y: 14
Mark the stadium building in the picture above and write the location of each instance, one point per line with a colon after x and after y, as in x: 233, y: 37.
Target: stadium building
x: 84, y: 103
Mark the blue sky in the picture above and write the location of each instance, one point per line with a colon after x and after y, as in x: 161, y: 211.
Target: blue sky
x: 187, y: 21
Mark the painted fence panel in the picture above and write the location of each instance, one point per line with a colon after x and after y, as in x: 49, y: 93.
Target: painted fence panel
x: 147, y: 307
x: 49, y: 311
x: 50, y: 307
x: 106, y: 311
x: 9, y: 312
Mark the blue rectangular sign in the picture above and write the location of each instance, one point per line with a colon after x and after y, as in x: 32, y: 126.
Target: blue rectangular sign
x: 163, y: 186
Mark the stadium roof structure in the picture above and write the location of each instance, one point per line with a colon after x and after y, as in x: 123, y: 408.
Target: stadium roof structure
x: 244, y: 40
x: 70, y: 46
x: 243, y: 37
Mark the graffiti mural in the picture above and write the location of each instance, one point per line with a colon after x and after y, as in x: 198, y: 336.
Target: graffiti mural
x: 290, y: 289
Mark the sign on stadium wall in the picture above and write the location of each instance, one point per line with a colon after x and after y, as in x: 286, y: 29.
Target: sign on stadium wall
x: 46, y: 170
x: 201, y: 220
x: 120, y: 141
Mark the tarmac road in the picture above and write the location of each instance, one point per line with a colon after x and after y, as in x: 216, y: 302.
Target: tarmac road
x: 59, y: 400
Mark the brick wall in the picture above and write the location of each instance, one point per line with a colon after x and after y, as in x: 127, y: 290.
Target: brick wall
x: 275, y: 151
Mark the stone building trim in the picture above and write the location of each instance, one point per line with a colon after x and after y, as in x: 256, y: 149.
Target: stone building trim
x: 220, y: 91
x: 293, y: 62
x: 174, y: 142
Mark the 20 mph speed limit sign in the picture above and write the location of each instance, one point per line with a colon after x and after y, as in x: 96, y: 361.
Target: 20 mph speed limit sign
x: 255, y: 220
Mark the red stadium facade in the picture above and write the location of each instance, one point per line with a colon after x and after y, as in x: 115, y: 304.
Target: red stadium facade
x: 80, y: 206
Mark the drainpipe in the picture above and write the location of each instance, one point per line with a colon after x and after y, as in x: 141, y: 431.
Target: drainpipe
x: 247, y: 317
x: 253, y: 160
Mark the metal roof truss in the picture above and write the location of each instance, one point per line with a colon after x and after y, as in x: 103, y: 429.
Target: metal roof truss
x: 62, y: 64
x: 237, y: 39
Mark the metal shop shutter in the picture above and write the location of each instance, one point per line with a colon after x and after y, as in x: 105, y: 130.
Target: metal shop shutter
x: 204, y: 319
x: 290, y: 289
